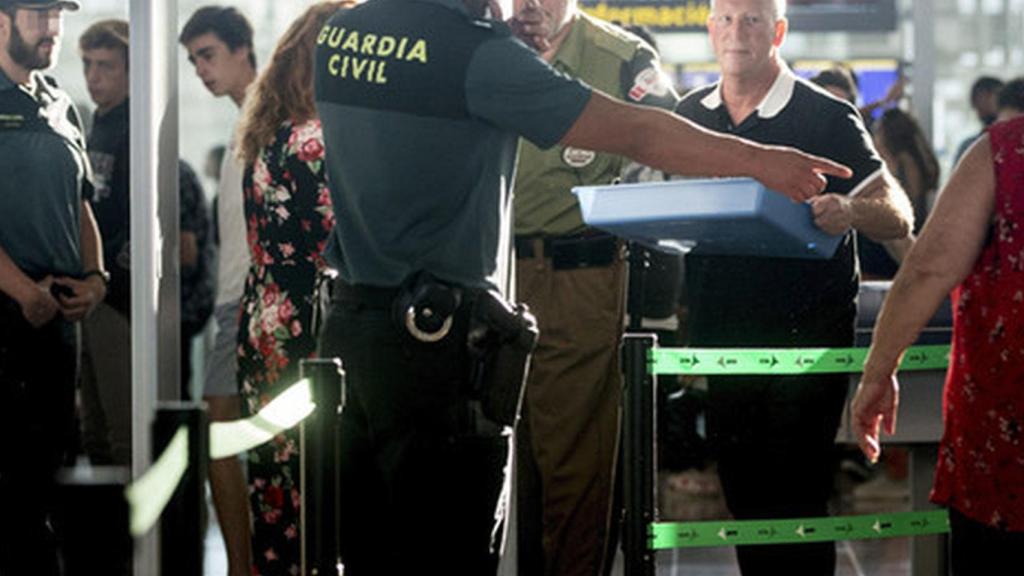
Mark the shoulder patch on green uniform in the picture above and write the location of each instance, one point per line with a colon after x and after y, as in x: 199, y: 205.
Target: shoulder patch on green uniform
x: 611, y: 38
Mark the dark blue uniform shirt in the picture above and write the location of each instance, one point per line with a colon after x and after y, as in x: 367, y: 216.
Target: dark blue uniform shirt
x: 421, y: 105
x: 43, y: 178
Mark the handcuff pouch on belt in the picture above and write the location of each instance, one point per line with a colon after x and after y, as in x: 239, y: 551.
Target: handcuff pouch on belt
x: 425, y: 307
x: 500, y: 339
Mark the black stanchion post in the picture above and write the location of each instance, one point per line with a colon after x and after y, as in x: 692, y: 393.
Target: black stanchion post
x: 639, y: 260
x: 638, y: 462
x: 639, y: 452
x: 93, y: 517
x: 181, y: 526
x: 319, y: 436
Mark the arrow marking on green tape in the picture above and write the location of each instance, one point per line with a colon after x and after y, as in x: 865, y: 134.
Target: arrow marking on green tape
x: 796, y: 530
x: 778, y: 361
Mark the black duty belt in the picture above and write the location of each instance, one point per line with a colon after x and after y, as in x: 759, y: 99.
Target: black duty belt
x: 366, y: 296
x: 590, y: 249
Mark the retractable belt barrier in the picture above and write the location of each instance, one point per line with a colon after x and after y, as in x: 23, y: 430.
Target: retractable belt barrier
x: 150, y: 492
x: 779, y: 362
x: 642, y: 360
x: 669, y: 535
x: 172, y: 487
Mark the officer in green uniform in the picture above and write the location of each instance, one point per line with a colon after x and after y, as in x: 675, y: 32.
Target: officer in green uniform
x: 422, y: 103
x: 573, y: 280
x: 51, y: 276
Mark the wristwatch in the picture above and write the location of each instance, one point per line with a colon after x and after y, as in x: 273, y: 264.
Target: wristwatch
x: 103, y: 274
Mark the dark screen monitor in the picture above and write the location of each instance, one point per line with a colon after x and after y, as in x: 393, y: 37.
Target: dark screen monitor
x: 842, y: 15
x: 874, y: 76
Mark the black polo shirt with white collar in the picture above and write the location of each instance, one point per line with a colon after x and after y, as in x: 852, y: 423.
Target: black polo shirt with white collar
x: 747, y: 301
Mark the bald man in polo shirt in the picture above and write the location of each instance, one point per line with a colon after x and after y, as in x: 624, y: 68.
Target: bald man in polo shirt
x: 775, y: 436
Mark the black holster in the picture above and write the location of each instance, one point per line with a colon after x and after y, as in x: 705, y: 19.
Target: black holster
x: 501, y: 339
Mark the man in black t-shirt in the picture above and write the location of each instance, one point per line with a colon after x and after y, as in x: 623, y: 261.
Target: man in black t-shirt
x: 775, y: 436
x: 106, y: 335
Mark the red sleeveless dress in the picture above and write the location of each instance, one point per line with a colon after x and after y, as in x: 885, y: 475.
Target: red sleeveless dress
x: 980, y: 471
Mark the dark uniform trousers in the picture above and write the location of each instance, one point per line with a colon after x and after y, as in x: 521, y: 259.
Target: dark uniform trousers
x: 419, y: 488
x: 37, y: 390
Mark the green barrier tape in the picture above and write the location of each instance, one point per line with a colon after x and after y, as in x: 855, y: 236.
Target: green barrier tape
x: 780, y: 361
x: 286, y: 410
x: 665, y: 536
x: 148, y: 495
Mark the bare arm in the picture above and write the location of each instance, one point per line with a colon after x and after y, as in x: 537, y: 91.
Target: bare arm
x: 667, y: 142
x: 941, y: 258
x: 92, y: 290
x: 881, y: 210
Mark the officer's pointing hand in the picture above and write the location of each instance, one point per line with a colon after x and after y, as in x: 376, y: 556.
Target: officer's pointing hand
x: 796, y: 174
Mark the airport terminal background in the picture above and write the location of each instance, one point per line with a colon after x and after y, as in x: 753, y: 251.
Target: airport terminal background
x: 966, y: 39
x: 971, y: 38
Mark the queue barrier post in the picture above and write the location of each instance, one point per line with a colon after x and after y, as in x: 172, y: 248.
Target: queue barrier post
x: 319, y: 436
x: 639, y: 454
x: 181, y: 525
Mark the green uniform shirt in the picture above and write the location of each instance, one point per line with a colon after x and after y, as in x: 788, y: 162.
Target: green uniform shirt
x: 617, y: 63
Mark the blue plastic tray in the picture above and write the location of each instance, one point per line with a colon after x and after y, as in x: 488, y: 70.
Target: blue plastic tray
x: 727, y: 216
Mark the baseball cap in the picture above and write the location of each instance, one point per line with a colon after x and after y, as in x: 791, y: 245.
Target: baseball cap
x: 70, y: 5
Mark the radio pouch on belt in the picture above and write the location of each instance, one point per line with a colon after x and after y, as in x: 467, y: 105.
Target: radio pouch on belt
x: 502, y: 338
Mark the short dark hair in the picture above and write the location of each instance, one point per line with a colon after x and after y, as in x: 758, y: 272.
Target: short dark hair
x: 224, y: 22
x: 1012, y: 95
x: 111, y: 34
x: 985, y: 85
x: 838, y: 77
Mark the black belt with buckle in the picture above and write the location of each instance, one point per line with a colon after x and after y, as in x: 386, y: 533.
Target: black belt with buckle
x: 590, y: 249
x: 365, y: 296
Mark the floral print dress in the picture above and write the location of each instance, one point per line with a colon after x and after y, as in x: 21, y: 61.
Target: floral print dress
x: 289, y: 216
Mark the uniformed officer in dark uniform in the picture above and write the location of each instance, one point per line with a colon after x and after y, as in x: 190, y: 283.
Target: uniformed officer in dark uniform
x: 421, y: 103
x: 51, y: 276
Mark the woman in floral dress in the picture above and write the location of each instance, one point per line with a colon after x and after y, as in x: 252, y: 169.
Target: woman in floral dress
x: 288, y: 214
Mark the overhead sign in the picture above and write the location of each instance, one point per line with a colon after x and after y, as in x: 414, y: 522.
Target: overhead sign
x: 692, y: 15
x: 665, y: 16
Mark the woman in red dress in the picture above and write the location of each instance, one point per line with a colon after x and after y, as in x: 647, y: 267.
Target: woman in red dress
x: 973, y: 245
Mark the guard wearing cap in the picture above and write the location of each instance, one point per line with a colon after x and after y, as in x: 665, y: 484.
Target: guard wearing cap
x: 51, y: 276
x: 421, y: 103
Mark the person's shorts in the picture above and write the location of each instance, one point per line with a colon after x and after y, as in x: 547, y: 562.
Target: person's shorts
x: 222, y: 362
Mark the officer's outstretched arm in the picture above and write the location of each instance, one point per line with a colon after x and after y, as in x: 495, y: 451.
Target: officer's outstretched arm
x: 668, y: 142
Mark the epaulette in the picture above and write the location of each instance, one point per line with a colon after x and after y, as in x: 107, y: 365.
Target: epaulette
x: 611, y: 38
